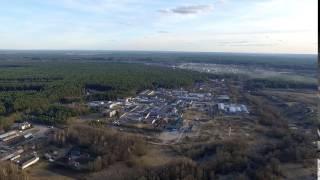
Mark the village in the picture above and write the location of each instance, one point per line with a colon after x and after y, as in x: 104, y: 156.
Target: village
x: 159, y: 110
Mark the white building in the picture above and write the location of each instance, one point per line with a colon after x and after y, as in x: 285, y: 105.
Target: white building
x: 24, y: 125
x: 7, y: 134
x: 30, y: 162
x: 110, y: 113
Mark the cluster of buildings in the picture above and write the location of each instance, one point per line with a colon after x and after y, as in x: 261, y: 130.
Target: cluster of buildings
x: 160, y: 108
x: 163, y: 108
x: 11, y: 146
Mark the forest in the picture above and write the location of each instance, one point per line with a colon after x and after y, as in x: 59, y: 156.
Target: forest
x: 296, y: 61
x: 40, y: 89
x: 260, y: 83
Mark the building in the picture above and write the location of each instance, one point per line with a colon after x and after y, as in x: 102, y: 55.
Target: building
x: 8, y: 136
x: 223, y: 98
x: 113, y: 105
x: 28, y: 135
x: 144, y: 92
x: 221, y: 107
x: 15, y: 157
x: 95, y: 104
x: 30, y: 162
x: 232, y: 108
x: 11, y: 155
x: 24, y: 125
x: 109, y: 113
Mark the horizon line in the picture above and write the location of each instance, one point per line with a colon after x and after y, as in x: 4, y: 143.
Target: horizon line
x: 164, y: 51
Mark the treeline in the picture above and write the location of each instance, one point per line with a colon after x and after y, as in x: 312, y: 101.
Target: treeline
x: 30, y: 79
x: 267, y: 60
x: 19, y: 87
x: 107, y: 145
x: 53, y: 115
x: 278, y: 83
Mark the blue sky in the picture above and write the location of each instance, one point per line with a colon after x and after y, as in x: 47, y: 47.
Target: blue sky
x: 260, y: 26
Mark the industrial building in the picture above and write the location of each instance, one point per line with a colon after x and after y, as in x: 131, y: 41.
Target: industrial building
x: 11, y: 154
x: 8, y: 136
x: 34, y: 159
x: 232, y: 108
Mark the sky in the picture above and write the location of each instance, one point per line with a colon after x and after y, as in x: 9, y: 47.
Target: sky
x: 256, y: 26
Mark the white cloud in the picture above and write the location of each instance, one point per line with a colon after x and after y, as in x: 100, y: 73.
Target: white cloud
x: 190, y: 9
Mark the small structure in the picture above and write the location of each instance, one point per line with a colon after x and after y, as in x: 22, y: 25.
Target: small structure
x: 24, y: 125
x: 112, y: 105
x: 232, y: 108
x: 223, y: 98
x: 15, y: 157
x: 151, y: 93
x: 109, y: 113
x: 95, y: 104
x: 144, y: 92
x: 27, y: 136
